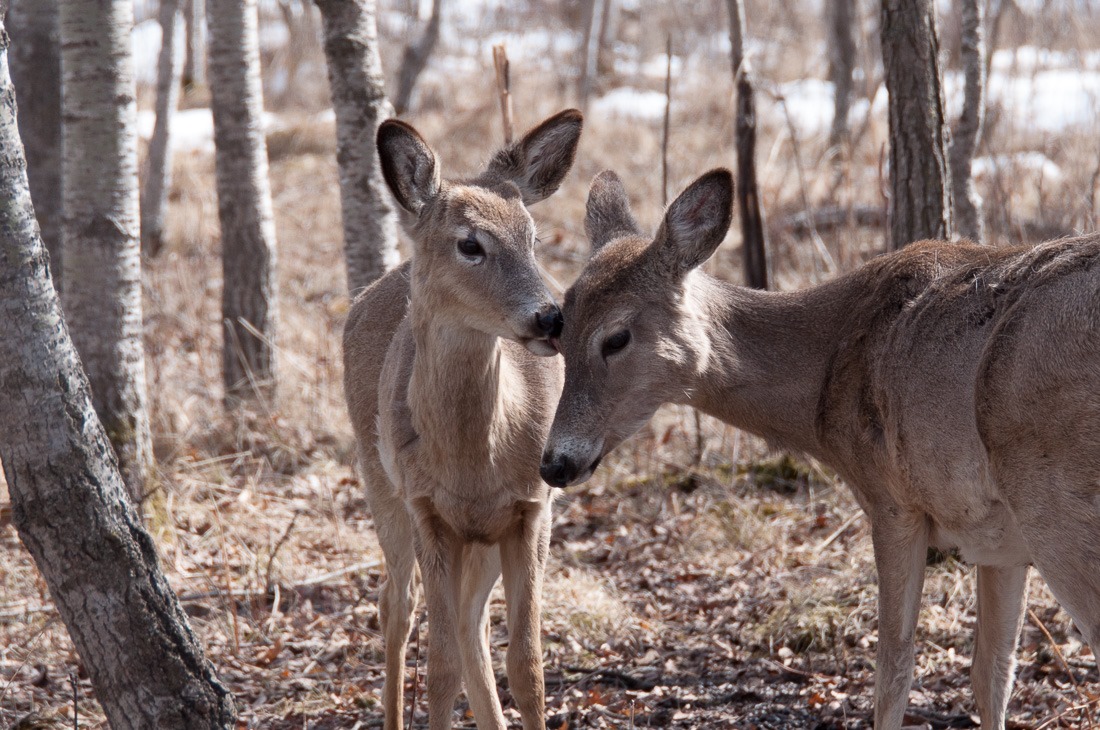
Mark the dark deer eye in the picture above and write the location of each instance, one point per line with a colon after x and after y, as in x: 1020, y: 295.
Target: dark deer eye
x: 616, y: 342
x: 470, y: 247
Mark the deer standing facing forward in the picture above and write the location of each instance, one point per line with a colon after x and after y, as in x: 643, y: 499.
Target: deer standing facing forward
x: 954, y: 387
x: 451, y: 405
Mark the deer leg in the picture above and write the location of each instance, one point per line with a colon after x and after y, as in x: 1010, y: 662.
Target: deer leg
x: 398, y: 597
x: 479, y: 575
x: 523, y: 555
x: 439, y: 551
x: 1002, y: 597
x: 901, y: 544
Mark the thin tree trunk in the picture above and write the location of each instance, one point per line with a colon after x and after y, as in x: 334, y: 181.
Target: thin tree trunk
x: 609, y: 22
x: 588, y: 51
x: 68, y: 500
x: 920, y: 184
x: 158, y: 167
x: 748, y: 196
x: 415, y: 58
x: 194, y: 64
x: 102, y: 266
x: 35, y: 27
x: 249, y: 292
x: 358, y: 93
x: 842, y: 61
x: 968, y: 129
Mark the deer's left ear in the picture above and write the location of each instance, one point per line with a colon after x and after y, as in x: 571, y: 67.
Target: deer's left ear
x: 696, y: 222
x: 538, y: 163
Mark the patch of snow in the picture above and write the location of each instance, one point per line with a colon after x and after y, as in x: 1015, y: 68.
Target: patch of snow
x: 1035, y: 163
x: 631, y: 103
x: 145, y: 44
x: 193, y: 129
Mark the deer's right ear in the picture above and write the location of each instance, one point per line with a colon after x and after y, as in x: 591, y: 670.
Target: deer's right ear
x: 696, y: 222
x: 607, y: 215
x: 408, y: 164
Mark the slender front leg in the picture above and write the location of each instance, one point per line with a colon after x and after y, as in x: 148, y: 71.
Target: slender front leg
x: 1002, y: 598
x: 439, y: 552
x: 481, y: 568
x: 901, y: 544
x: 523, y: 555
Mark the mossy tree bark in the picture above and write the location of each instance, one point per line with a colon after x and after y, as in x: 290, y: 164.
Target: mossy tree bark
x: 69, y: 501
x: 358, y: 93
x: 102, y: 257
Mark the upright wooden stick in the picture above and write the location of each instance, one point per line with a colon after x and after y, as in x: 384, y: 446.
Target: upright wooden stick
x: 504, y: 89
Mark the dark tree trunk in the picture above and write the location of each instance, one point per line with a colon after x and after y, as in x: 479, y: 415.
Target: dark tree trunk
x: 35, y: 27
x: 102, y: 266
x: 158, y: 166
x: 842, y: 62
x: 415, y: 59
x: 748, y: 196
x: 968, y: 129
x: 69, y: 501
x: 194, y: 62
x: 249, y: 290
x: 359, y: 99
x: 920, y: 183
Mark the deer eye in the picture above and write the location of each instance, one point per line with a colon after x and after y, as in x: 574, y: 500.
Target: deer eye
x: 616, y: 342
x: 470, y: 247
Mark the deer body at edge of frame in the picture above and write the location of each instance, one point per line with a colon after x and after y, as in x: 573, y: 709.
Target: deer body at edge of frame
x: 451, y: 388
x: 954, y: 387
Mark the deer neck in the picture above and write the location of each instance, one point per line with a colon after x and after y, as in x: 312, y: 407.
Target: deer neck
x: 459, y: 388
x: 769, y: 355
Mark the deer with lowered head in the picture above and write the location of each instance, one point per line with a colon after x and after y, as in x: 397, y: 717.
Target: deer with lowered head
x: 954, y: 387
x: 451, y: 390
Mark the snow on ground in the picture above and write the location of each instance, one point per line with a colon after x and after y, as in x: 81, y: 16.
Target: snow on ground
x: 631, y: 103
x: 193, y: 129
x: 1032, y: 163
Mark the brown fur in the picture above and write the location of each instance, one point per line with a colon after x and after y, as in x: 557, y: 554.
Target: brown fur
x: 450, y: 410
x: 955, y: 387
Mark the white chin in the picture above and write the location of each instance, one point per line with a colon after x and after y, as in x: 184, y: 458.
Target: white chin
x: 542, y: 348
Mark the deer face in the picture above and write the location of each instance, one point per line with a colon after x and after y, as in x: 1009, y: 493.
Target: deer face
x: 634, y: 335
x: 474, y: 264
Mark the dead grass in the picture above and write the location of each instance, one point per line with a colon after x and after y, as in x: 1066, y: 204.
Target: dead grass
x: 738, y: 594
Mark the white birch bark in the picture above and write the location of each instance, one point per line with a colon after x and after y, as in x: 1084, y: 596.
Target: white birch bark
x: 69, y: 502
x: 358, y: 93
x: 102, y: 263
x: 249, y: 293
x: 158, y: 165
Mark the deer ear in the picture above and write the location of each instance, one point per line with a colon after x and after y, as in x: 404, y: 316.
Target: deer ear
x: 607, y: 215
x: 696, y: 222
x: 408, y: 164
x: 538, y: 163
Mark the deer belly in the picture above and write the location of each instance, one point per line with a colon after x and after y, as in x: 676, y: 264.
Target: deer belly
x: 994, y: 540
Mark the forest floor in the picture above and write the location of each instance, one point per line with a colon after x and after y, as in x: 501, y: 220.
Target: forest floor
x: 738, y: 593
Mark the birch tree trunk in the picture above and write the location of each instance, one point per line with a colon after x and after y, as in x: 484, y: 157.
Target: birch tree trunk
x: 69, y: 501
x: 358, y: 93
x: 748, y: 197
x: 920, y: 184
x: 415, y: 58
x: 842, y: 62
x: 249, y: 293
x: 968, y: 129
x: 35, y: 27
x: 102, y: 266
x: 158, y: 167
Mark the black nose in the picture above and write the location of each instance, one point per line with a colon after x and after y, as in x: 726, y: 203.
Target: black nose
x: 549, y: 321
x: 557, y: 471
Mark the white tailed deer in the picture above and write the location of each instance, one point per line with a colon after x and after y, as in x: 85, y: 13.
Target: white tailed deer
x: 954, y: 387
x: 451, y: 405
